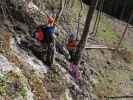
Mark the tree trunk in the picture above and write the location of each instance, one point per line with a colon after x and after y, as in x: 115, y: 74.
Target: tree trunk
x: 79, y: 19
x: 84, y: 36
x: 125, y: 31
x: 123, y: 10
x: 58, y: 15
x: 116, y: 5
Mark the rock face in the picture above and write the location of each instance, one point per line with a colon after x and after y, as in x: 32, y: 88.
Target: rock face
x: 13, y: 84
x: 41, y: 82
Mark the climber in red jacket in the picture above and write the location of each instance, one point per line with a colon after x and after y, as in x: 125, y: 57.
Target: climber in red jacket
x: 44, y: 34
x: 71, y: 46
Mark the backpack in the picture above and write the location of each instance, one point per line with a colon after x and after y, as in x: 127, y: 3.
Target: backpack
x: 39, y: 34
x: 43, y: 33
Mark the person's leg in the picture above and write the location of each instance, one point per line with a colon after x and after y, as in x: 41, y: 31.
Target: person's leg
x: 50, y: 51
x: 70, y: 52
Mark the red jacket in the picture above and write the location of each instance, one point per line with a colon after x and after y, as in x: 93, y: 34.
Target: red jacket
x: 39, y: 36
x: 71, y: 44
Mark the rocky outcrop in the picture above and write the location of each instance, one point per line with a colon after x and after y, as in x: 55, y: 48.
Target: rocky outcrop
x: 13, y: 84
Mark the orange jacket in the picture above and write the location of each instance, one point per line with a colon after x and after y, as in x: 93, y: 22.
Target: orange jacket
x: 71, y: 44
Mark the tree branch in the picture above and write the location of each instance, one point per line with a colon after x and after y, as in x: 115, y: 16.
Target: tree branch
x: 118, y: 97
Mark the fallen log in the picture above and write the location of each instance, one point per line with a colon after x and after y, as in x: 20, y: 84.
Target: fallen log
x: 99, y: 47
x: 119, y: 97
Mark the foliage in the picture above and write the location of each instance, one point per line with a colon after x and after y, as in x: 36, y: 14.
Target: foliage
x: 127, y: 55
x: 11, y: 86
x: 113, y: 83
x: 106, y: 33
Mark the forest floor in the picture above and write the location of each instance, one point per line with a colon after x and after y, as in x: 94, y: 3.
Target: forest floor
x: 116, y: 68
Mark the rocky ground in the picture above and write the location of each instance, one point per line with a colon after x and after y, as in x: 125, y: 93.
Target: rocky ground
x: 104, y: 73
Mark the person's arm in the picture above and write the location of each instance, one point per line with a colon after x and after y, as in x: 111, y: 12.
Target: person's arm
x: 46, y: 17
x: 54, y: 23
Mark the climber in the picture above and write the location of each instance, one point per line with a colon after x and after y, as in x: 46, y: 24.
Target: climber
x: 73, y: 67
x: 45, y: 35
x: 74, y: 71
x: 71, y: 46
x: 49, y: 36
x: 38, y: 34
x: 50, y: 29
x: 51, y: 21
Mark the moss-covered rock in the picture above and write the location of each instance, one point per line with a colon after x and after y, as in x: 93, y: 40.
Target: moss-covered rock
x: 13, y: 84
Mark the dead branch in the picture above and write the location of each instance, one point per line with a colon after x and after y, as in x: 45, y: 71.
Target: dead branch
x: 125, y: 31
x: 60, y: 11
x: 99, y: 47
x: 79, y: 18
x: 75, y: 21
x: 118, y: 97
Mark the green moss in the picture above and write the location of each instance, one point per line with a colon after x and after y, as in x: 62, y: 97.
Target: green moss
x: 2, y: 84
x: 107, y: 35
x: 105, y: 31
x: 8, y: 86
x: 126, y: 45
x: 54, y: 82
x: 23, y: 91
x: 112, y: 83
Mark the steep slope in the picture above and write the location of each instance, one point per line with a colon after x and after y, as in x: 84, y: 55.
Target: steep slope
x: 13, y: 84
x: 102, y: 72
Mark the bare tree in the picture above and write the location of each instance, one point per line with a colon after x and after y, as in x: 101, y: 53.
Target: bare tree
x: 125, y: 31
x: 84, y: 36
x: 58, y: 15
x: 123, y: 9
x: 79, y: 18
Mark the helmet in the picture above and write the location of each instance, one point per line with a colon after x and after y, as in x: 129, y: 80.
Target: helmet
x: 72, y: 35
x: 50, y: 20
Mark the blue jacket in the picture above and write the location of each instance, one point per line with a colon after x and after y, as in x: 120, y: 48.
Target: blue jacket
x: 48, y: 31
x: 33, y: 34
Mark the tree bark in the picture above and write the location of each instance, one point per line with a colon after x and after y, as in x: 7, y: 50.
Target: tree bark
x: 79, y: 19
x: 123, y: 10
x: 84, y: 36
x: 60, y: 10
x: 125, y: 31
x: 115, y: 6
